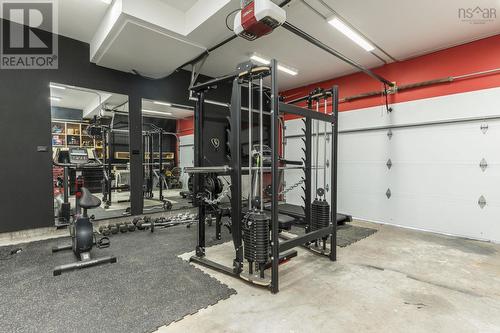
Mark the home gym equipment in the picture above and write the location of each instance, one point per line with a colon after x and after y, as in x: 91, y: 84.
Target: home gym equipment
x: 154, y: 164
x: 77, y: 160
x: 172, y: 178
x: 320, y: 208
x: 102, y: 128
x: 255, y: 232
x: 80, y: 228
x: 148, y: 223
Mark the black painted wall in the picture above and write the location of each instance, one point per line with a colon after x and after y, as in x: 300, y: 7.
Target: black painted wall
x: 26, y: 199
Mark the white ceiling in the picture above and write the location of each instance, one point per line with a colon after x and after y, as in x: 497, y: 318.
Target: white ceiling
x: 156, y: 36
x: 79, y: 19
x: 175, y: 112
x: 182, y: 5
x: 88, y: 100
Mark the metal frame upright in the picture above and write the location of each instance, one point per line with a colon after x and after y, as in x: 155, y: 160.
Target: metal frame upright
x: 278, y: 249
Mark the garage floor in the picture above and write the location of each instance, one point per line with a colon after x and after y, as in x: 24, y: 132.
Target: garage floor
x: 395, y: 280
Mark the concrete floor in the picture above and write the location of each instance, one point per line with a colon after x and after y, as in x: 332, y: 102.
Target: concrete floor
x: 396, y: 280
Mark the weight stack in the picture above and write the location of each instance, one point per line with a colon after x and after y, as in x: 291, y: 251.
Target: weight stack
x: 256, y: 237
x: 320, y: 211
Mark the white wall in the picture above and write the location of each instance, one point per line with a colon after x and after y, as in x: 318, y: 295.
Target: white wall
x: 435, y: 178
x: 186, y: 157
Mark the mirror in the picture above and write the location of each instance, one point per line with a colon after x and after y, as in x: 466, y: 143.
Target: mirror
x: 164, y: 184
x: 90, y: 142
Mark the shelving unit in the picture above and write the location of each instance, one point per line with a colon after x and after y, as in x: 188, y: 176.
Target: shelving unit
x: 72, y: 134
x: 67, y: 134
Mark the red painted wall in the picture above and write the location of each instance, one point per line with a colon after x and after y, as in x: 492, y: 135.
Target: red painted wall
x: 185, y: 126
x: 476, y: 56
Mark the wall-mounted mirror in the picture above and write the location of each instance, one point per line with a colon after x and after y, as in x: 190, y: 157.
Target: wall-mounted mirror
x: 90, y: 142
x: 164, y: 184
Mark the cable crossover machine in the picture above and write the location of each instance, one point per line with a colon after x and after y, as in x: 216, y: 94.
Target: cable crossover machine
x: 255, y: 223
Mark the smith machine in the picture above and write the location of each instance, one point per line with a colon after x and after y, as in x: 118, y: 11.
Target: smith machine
x: 255, y: 231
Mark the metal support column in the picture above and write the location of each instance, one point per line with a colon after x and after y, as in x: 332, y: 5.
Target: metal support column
x: 236, y: 215
x: 197, y: 180
x: 335, y: 137
x: 160, y: 163
x: 274, y: 175
x: 308, y: 173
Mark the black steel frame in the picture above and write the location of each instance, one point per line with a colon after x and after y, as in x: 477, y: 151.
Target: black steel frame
x: 277, y: 249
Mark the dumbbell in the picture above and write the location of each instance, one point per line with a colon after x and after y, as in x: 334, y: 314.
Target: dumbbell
x: 139, y: 225
x: 113, y: 229
x: 106, y: 232
x: 123, y: 228
x: 131, y: 227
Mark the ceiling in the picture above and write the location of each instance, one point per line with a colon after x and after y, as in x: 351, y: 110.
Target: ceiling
x: 154, y: 37
x: 171, y: 112
x: 87, y: 100
x: 183, y: 5
x: 90, y: 102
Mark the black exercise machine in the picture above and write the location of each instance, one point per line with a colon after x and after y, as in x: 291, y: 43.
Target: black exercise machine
x: 154, y: 164
x: 80, y: 226
x: 255, y: 233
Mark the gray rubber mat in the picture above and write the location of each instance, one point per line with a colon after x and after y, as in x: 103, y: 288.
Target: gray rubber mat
x: 148, y: 287
x: 349, y: 234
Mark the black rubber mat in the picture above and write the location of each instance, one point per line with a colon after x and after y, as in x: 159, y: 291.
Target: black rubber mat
x: 346, y: 234
x: 148, y: 287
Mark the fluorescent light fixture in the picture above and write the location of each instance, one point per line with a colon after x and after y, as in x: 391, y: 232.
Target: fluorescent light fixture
x: 55, y: 99
x: 260, y: 59
x: 57, y: 87
x: 162, y: 103
x: 107, y: 2
x: 157, y: 112
x: 282, y: 68
x: 351, y: 34
x: 287, y: 70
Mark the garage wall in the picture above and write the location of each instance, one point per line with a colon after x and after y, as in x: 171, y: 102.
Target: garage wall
x: 186, y: 156
x: 435, y: 179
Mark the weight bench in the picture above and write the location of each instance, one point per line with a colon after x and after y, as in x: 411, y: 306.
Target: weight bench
x: 297, y: 214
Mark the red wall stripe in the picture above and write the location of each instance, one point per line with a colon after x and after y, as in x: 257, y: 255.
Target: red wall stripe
x: 185, y: 126
x: 480, y: 55
x: 476, y: 56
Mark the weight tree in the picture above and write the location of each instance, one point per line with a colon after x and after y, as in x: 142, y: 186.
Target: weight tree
x: 255, y: 233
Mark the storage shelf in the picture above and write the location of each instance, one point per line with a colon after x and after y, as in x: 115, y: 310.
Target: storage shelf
x: 77, y: 137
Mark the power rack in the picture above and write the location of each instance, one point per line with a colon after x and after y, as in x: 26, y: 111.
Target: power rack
x: 258, y: 241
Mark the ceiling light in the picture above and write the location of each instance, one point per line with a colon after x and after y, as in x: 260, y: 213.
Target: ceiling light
x: 287, y: 70
x: 351, y: 34
x: 260, y: 59
x: 282, y: 68
x: 107, y: 2
x: 162, y: 103
x: 57, y: 87
x: 55, y: 99
x: 157, y: 112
